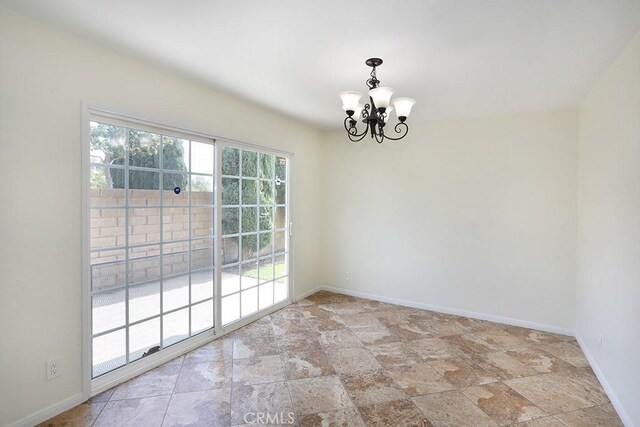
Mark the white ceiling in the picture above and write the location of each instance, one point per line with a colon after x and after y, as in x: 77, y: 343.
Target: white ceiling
x: 456, y: 57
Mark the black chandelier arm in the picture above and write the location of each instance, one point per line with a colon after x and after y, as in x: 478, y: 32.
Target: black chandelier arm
x: 352, y: 131
x: 357, y: 138
x: 350, y: 126
x: 402, y: 134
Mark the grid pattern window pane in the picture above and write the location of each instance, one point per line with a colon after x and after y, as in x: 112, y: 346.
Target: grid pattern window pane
x: 152, y: 241
x: 255, y: 232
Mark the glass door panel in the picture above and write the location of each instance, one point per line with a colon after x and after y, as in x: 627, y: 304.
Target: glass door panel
x: 231, y: 234
x: 152, y: 241
x: 252, y: 222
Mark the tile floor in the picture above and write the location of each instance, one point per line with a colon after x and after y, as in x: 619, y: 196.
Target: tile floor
x: 335, y: 360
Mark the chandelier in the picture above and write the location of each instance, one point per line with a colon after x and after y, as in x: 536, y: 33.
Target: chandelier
x: 375, y: 115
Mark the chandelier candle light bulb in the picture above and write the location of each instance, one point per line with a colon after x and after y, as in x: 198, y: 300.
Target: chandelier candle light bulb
x: 376, y: 114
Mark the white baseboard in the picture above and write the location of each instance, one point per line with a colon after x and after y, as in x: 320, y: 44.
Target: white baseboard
x: 50, y: 411
x: 626, y: 419
x: 440, y: 309
x: 303, y: 295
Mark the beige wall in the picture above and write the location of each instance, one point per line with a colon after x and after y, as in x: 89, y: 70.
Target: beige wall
x: 44, y: 76
x: 608, y: 292
x: 476, y: 215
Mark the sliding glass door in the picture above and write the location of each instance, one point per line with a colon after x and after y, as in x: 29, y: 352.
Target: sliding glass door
x: 254, y: 232
x: 152, y: 240
x: 154, y: 215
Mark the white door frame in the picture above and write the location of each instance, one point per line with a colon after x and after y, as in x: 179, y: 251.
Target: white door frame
x: 91, y: 387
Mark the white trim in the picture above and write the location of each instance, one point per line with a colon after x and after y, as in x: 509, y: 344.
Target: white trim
x: 50, y: 411
x: 217, y: 301
x: 103, y: 112
x: 617, y: 405
x: 249, y: 146
x: 440, y: 309
x: 303, y: 295
x: 147, y: 126
x: 86, y: 261
x: 289, y: 224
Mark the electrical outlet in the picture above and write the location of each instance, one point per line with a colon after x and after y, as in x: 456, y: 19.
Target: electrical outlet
x: 346, y: 276
x: 54, y: 370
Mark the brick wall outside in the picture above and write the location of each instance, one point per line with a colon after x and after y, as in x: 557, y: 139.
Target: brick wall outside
x: 108, y: 229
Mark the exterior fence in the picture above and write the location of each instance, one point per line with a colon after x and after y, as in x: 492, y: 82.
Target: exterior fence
x: 108, y: 230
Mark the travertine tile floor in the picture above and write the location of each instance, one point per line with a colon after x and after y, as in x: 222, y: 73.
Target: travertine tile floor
x: 335, y: 360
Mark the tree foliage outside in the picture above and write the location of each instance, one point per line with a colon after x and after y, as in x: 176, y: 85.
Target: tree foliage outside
x: 254, y: 192
x: 108, y: 147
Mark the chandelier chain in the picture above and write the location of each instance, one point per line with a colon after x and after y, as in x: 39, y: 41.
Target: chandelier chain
x: 373, y: 82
